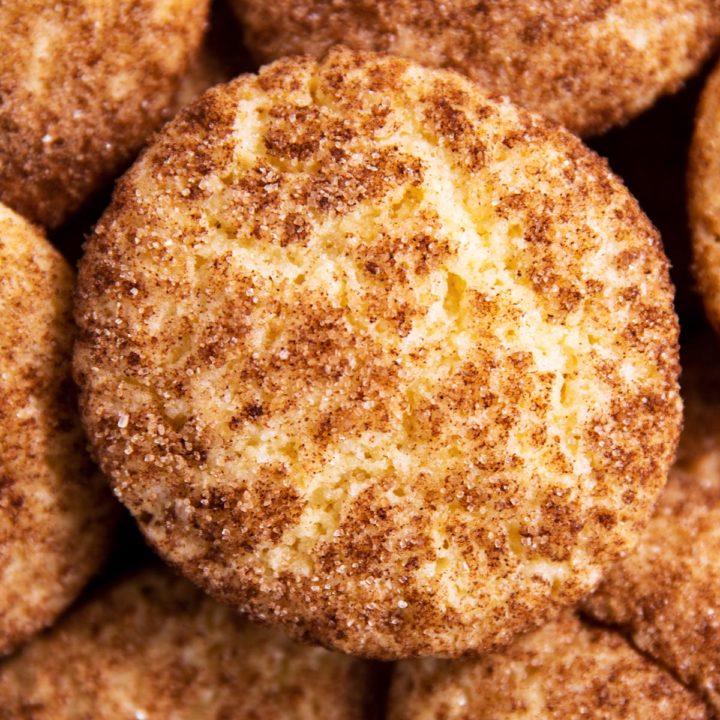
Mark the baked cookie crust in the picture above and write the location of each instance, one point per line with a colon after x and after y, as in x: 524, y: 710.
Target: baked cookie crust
x: 666, y: 594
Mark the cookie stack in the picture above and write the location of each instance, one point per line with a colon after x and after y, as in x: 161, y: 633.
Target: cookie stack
x: 375, y: 351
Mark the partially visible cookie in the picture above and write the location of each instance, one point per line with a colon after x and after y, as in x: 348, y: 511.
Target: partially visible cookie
x: 83, y: 84
x: 588, y: 65
x: 378, y: 357
x: 153, y: 647
x: 666, y: 594
x: 704, y: 197
x: 565, y: 671
x: 56, y: 512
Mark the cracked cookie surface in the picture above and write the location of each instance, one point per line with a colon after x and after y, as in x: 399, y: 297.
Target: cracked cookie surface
x: 377, y: 357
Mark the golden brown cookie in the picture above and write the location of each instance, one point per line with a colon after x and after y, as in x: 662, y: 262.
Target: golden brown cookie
x: 565, y: 671
x: 666, y: 594
x: 704, y: 198
x: 56, y: 512
x: 587, y: 64
x: 83, y: 84
x: 379, y: 358
x: 153, y: 647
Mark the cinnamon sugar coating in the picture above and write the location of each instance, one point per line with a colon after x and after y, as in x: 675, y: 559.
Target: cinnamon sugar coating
x: 56, y: 512
x: 704, y: 198
x: 154, y: 647
x: 83, y: 83
x: 589, y: 64
x: 565, y: 671
x: 376, y: 357
x: 666, y: 594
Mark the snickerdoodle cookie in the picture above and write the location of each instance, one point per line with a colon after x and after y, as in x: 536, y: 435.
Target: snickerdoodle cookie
x: 55, y: 510
x: 83, y: 83
x: 376, y: 357
x: 154, y: 647
x: 704, y: 198
x: 587, y: 64
x: 666, y: 594
x: 565, y: 671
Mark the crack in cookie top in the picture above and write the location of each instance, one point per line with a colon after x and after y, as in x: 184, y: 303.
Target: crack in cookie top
x: 378, y: 357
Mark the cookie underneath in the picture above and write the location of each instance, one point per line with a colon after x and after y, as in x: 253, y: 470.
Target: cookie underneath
x: 704, y: 198
x: 56, y: 511
x: 587, y: 65
x: 153, y: 646
x: 565, y: 670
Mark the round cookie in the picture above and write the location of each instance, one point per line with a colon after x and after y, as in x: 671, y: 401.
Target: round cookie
x: 153, y: 646
x: 379, y: 358
x: 704, y: 197
x: 56, y: 512
x: 666, y: 595
x: 83, y: 84
x: 566, y: 670
x: 588, y: 65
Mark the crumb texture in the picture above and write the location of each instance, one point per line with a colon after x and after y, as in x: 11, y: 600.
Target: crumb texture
x: 588, y: 64
x: 153, y: 647
x: 565, y: 671
x: 55, y: 510
x: 666, y: 595
x: 704, y: 197
x: 83, y: 83
x: 374, y: 356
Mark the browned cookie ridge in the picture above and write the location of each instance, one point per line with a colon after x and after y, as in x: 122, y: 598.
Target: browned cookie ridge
x: 83, y: 83
x: 56, y: 512
x: 153, y: 647
x: 704, y: 198
x: 589, y: 64
x: 379, y: 358
x: 666, y: 594
x: 564, y: 671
